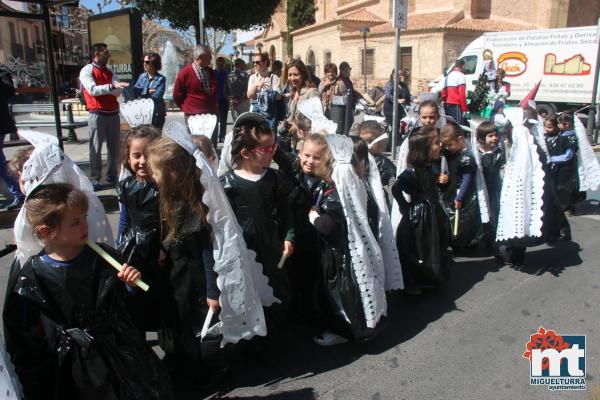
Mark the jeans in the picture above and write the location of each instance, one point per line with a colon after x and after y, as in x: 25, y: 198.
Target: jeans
x: 453, y: 110
x: 104, y: 128
x: 222, y: 117
x: 9, y: 180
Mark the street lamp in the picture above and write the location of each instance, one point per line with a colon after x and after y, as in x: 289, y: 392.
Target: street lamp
x: 365, y: 32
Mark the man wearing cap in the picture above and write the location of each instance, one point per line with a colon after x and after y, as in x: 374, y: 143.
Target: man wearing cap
x: 454, y: 93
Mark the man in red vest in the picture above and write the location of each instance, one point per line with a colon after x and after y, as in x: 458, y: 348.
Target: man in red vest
x: 195, y: 89
x: 101, y: 89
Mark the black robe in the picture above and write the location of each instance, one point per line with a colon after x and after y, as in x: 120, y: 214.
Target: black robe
x: 139, y: 244
x: 70, y: 337
x: 491, y: 164
x: 469, y: 223
x: 183, y: 286
x: 387, y: 172
x: 423, y: 235
x: 565, y: 174
x: 264, y: 212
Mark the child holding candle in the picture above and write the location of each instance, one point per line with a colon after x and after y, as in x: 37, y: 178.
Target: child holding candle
x: 66, y: 326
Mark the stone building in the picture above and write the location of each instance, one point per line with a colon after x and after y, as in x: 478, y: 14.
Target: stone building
x: 438, y: 31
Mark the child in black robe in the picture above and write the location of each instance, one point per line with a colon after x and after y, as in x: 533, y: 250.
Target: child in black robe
x: 561, y: 141
x: 67, y: 330
x: 372, y: 132
x: 423, y: 236
x: 188, y: 284
x: 138, y: 237
x: 260, y: 199
x: 492, y: 161
x: 462, y: 191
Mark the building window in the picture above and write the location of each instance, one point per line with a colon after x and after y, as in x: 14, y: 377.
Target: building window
x: 26, y: 37
x: 13, y: 33
x: 370, y: 68
x: 327, y: 57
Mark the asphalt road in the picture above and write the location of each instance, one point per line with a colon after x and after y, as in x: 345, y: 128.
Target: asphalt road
x: 462, y: 342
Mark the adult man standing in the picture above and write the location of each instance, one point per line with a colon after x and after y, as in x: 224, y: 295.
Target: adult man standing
x: 195, y: 90
x: 101, y: 88
x: 454, y: 92
x: 236, y: 87
x: 221, y: 74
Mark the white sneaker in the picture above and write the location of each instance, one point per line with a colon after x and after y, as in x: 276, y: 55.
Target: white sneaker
x: 329, y: 339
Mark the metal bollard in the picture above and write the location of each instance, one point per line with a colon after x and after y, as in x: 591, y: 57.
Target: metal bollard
x: 72, y: 136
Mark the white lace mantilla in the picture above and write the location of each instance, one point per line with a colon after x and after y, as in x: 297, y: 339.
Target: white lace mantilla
x: 587, y: 163
x: 482, y: 192
x: 522, y: 189
x: 48, y: 164
x: 385, y: 237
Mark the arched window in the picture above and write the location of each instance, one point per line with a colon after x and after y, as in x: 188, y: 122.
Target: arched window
x: 272, y: 53
x: 311, y: 60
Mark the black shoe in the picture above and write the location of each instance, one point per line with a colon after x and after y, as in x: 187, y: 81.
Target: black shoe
x: 111, y: 180
x: 15, y: 204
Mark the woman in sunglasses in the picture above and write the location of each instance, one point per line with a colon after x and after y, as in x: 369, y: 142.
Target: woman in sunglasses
x: 152, y: 85
x: 263, y: 89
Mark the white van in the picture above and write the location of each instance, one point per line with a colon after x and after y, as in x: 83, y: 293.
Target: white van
x: 563, y: 59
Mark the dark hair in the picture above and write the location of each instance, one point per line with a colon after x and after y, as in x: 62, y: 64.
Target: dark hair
x: 155, y: 60
x: 277, y: 64
x: 553, y: 118
x: 47, y: 204
x: 484, y: 129
x: 451, y: 130
x: 205, y: 145
x: 98, y: 47
x: 304, y: 73
x: 344, y: 65
x: 459, y: 62
x: 370, y: 126
x: 430, y: 103
x: 246, y: 136
x: 330, y: 66
x: 239, y: 63
x: 419, y: 146
x: 303, y: 122
x: 360, y: 158
x: 139, y: 132
x: 566, y: 118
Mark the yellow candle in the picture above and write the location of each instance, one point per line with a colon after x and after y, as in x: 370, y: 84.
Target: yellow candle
x: 108, y: 258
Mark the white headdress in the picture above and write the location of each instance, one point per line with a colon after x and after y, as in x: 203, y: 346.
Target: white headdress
x: 521, y: 199
x: 367, y: 261
x: 138, y: 112
x: 385, y: 236
x: 482, y: 192
x: 204, y: 125
x: 313, y: 109
x: 244, y: 288
x: 48, y: 164
x: 588, y: 168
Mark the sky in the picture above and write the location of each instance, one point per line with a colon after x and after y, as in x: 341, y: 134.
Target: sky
x: 242, y: 36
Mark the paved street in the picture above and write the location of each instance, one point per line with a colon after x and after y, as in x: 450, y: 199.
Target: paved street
x: 462, y: 342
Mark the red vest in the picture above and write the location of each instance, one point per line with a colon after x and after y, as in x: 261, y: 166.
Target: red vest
x: 106, y: 102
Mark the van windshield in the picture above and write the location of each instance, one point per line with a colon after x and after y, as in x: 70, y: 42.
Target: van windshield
x: 470, y: 64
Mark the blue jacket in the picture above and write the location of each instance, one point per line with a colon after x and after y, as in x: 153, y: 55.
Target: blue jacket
x: 140, y: 90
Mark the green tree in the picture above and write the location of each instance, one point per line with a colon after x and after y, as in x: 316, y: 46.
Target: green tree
x: 224, y: 15
x: 300, y: 13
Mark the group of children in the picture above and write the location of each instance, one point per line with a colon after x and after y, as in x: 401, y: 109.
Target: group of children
x: 318, y: 225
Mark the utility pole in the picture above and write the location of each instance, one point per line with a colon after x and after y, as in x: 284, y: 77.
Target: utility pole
x: 399, y: 22
x: 201, y: 24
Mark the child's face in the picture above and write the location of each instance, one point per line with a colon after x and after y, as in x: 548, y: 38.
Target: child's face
x: 454, y: 146
x: 71, y: 232
x: 262, y: 155
x: 428, y: 116
x: 550, y: 129
x: 311, y: 158
x: 436, y: 148
x: 491, y: 141
x: 138, y: 158
x: 564, y: 126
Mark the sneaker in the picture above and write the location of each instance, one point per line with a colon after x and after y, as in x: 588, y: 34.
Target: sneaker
x: 96, y: 185
x: 15, y: 204
x: 111, y: 179
x: 329, y: 339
